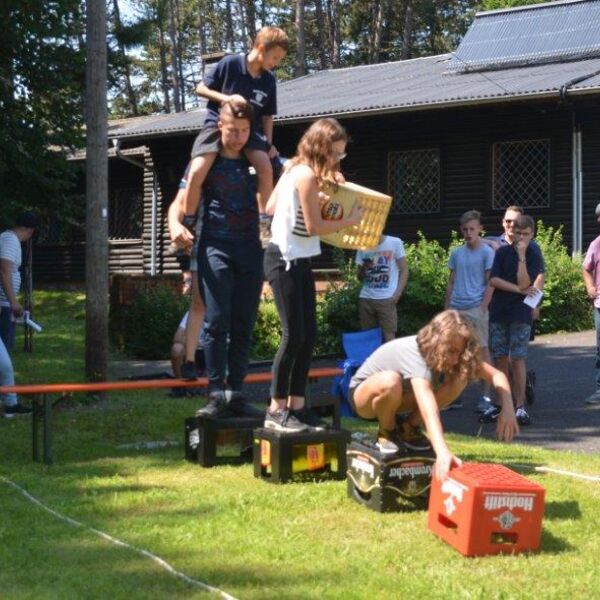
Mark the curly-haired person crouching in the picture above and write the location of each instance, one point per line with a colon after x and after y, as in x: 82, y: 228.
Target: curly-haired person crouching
x: 419, y: 375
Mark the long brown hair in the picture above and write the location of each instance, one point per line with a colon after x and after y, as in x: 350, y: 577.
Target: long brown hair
x: 315, y: 149
x: 434, y: 339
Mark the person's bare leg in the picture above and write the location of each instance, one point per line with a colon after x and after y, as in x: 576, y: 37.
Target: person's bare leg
x: 518, y: 381
x: 177, y: 353
x: 380, y: 396
x: 194, y: 322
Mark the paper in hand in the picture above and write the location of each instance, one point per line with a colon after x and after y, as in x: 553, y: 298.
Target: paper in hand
x: 534, y: 301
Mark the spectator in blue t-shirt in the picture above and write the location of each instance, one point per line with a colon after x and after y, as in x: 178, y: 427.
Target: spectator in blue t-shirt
x: 241, y: 80
x: 517, y: 272
x: 468, y: 290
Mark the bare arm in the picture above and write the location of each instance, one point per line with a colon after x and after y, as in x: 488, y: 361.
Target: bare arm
x: 218, y: 97
x: 430, y: 414
x: 487, y: 295
x: 402, y: 279
x: 590, y: 286
x: 506, y: 427
x: 449, y: 289
x: 199, y: 168
x: 308, y: 192
x: 180, y: 234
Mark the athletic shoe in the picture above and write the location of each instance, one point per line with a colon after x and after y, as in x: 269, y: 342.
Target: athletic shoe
x: 284, y: 421
x: 594, y: 398
x: 522, y: 415
x: 483, y: 404
x: 308, y: 417
x: 389, y: 442
x: 216, y: 407
x: 188, y: 371
x: 240, y: 407
x: 412, y: 436
x: 490, y: 415
x: 16, y: 410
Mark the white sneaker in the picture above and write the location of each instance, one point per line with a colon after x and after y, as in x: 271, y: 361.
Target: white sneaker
x: 594, y: 398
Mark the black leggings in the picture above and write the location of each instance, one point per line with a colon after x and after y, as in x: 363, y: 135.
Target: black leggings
x: 295, y: 299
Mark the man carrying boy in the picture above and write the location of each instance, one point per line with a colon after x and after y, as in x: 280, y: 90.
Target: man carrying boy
x: 384, y: 273
x: 241, y: 80
x: 468, y: 290
x: 229, y: 261
x: 515, y: 275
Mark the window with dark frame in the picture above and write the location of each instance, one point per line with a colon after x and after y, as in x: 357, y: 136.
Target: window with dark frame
x: 125, y: 214
x: 521, y: 174
x: 414, y: 181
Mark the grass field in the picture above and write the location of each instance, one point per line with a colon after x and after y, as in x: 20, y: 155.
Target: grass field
x: 223, y: 527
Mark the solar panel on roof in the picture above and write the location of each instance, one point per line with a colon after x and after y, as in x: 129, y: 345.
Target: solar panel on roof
x: 551, y: 32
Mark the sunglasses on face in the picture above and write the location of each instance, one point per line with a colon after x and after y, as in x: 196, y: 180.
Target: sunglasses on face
x: 509, y: 221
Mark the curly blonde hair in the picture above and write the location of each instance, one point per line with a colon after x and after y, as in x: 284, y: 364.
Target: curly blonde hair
x: 315, y: 149
x: 434, y: 340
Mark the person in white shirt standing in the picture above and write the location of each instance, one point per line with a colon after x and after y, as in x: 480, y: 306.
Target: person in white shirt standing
x: 10, y: 307
x: 384, y: 273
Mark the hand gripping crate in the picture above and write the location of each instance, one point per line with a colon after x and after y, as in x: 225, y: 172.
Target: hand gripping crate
x: 487, y: 509
x: 214, y: 441
x: 384, y: 482
x: 368, y: 232
x: 307, y: 455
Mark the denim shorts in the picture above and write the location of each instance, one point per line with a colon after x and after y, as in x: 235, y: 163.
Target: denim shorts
x: 509, y: 339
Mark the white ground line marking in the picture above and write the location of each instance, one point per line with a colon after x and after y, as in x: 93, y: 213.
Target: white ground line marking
x: 558, y: 472
x: 164, y: 564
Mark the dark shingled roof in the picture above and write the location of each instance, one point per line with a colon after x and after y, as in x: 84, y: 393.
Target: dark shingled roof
x: 418, y: 84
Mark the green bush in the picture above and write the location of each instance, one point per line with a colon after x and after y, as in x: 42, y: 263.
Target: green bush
x: 151, y: 321
x: 267, y: 332
x: 565, y: 306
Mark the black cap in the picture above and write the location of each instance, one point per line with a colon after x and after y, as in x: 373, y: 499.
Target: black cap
x: 27, y: 219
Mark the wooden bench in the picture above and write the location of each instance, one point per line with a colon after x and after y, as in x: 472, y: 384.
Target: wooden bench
x: 42, y: 402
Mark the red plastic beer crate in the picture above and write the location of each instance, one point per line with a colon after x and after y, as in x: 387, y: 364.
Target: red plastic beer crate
x: 487, y: 509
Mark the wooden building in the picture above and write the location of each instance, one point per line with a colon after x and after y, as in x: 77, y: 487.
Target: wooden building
x: 494, y: 124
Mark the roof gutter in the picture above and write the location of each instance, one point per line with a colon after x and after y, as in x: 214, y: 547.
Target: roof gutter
x: 565, y: 87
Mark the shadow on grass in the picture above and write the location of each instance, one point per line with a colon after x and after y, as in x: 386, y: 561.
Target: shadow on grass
x: 552, y: 544
x: 566, y: 509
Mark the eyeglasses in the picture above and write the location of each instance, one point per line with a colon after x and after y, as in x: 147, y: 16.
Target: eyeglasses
x: 509, y: 221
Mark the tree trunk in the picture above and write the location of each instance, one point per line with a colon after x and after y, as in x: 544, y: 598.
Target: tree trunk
x: 96, y: 230
x: 408, y: 30
x: 249, y: 10
x: 180, y: 52
x: 321, y: 36
x: 174, y: 57
x: 229, y: 37
x: 300, y: 59
x: 128, y: 87
x: 334, y: 32
x: 379, y: 17
x: 164, y: 75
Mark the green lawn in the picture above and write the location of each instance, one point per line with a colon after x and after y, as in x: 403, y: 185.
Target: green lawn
x: 223, y: 527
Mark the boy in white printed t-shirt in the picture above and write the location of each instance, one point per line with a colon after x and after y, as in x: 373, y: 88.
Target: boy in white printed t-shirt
x: 384, y: 273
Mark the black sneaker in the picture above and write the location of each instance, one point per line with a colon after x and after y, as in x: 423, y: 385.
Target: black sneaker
x: 389, y: 442
x: 308, y: 417
x: 412, y: 436
x: 490, y: 415
x: 240, y: 407
x: 284, y: 421
x: 16, y: 410
x: 188, y: 371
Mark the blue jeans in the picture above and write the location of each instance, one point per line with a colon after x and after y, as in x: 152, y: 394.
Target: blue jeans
x: 597, y: 323
x: 7, y: 375
x: 230, y: 276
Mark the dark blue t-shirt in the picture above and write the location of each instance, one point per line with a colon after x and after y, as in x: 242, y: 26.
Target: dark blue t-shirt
x: 229, y: 209
x: 508, y: 307
x: 230, y: 76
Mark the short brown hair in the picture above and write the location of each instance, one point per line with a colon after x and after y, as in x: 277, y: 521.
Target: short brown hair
x: 514, y: 208
x: 271, y: 37
x: 470, y: 215
x: 525, y: 222
x: 239, y: 111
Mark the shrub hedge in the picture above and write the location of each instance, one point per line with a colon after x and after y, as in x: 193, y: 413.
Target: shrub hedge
x: 154, y: 315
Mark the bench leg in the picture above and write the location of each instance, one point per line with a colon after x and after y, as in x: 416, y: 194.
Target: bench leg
x: 47, y: 429
x: 35, y: 419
